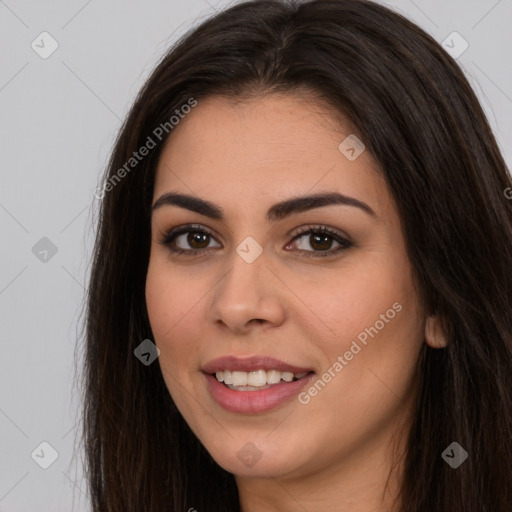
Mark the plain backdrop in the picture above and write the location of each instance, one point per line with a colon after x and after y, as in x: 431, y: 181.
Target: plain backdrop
x: 59, y: 117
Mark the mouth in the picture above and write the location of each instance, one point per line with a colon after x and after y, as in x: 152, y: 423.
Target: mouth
x: 256, y: 380
x: 255, y: 384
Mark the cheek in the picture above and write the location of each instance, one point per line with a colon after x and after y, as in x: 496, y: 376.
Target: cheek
x: 376, y: 318
x: 166, y: 297
x: 380, y: 331
x: 372, y: 378
x: 348, y: 302
x: 173, y: 305
x: 164, y: 308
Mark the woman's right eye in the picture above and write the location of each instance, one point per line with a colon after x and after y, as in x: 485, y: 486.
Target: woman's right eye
x: 188, y: 239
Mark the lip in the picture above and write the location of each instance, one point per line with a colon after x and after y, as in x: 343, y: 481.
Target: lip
x: 253, y: 402
x: 251, y: 364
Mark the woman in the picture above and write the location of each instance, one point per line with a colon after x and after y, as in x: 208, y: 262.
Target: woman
x: 300, y: 294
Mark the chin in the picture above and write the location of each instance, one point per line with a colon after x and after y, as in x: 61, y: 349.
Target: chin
x: 258, y: 457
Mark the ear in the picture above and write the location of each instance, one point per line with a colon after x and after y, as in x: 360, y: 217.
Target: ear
x: 434, y: 335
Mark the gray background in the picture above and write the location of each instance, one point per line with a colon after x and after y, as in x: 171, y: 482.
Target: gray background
x: 59, y: 119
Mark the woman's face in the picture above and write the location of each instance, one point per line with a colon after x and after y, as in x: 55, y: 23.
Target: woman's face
x: 266, y: 296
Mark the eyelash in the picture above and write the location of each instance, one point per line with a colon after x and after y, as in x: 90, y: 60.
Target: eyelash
x: 169, y: 237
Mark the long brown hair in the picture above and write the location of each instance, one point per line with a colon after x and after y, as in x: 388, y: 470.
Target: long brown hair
x: 422, y: 122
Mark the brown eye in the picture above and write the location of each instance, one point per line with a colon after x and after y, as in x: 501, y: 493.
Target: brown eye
x: 188, y: 240
x: 197, y: 239
x: 319, y: 241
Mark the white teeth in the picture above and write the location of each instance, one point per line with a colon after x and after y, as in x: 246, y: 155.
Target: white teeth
x: 287, y: 376
x: 256, y: 379
x: 239, y: 378
x: 273, y: 376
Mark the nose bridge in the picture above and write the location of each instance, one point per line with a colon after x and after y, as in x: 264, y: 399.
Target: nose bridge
x: 243, y: 283
x: 246, y: 292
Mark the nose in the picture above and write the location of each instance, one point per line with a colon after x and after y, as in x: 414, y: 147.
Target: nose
x: 249, y: 294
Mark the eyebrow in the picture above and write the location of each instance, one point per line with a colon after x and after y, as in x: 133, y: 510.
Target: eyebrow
x: 276, y: 212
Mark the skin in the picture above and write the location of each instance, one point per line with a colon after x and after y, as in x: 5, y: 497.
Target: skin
x: 335, y: 452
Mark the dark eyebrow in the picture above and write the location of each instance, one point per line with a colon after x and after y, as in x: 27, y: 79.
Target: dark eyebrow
x: 277, y: 212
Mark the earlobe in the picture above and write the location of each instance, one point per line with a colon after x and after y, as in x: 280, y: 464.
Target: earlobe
x: 434, y: 335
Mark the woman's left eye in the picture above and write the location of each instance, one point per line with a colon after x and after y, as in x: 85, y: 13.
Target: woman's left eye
x: 320, y: 238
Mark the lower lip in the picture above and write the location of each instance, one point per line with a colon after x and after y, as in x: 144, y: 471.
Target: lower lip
x: 254, y: 401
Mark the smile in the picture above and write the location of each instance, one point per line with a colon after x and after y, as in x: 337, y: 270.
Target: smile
x: 253, y: 385
x: 253, y: 381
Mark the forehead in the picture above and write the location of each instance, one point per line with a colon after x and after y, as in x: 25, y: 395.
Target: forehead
x: 265, y: 148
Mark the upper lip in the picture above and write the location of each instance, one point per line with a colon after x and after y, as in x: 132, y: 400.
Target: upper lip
x: 251, y: 364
